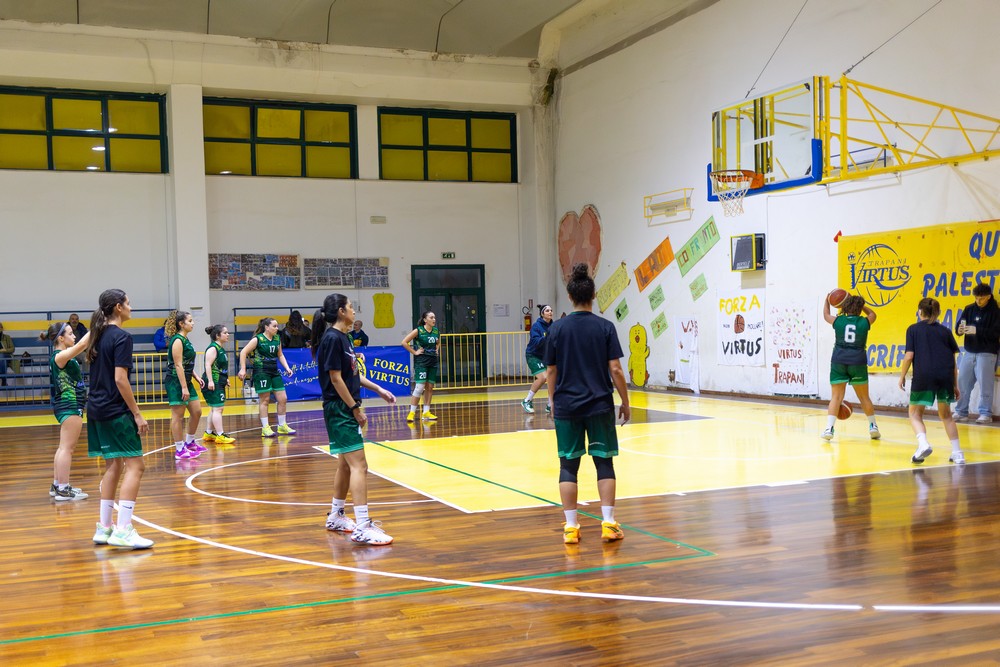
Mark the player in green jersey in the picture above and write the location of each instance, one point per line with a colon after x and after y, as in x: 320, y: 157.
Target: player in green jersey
x: 69, y: 398
x: 179, y: 383
x: 215, y: 379
x: 422, y: 343
x: 849, y: 363
x: 266, y: 377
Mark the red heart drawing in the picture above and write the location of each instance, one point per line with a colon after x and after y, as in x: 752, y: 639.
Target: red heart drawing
x: 579, y: 240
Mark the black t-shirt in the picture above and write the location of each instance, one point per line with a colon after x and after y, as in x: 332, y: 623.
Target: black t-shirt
x: 336, y: 353
x: 580, y: 346
x: 934, y: 349
x: 105, y: 402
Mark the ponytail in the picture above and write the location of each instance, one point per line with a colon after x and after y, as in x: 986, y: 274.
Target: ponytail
x: 319, y: 326
x: 106, y: 304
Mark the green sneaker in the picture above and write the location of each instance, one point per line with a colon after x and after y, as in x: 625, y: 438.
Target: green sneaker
x: 528, y: 406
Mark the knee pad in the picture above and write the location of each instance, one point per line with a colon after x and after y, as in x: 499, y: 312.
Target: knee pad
x: 568, y: 469
x: 418, y: 390
x: 605, y: 467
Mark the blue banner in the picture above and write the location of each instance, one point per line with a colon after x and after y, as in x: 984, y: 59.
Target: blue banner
x: 386, y: 366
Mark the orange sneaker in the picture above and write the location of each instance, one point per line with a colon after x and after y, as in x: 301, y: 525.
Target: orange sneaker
x: 611, y: 531
x: 571, y: 534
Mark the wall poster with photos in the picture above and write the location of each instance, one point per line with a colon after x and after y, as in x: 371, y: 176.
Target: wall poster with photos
x: 352, y: 272
x: 251, y: 272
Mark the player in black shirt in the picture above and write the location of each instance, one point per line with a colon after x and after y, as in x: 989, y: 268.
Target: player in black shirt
x: 583, y: 356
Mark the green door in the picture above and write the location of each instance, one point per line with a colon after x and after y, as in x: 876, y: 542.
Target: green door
x: 456, y: 294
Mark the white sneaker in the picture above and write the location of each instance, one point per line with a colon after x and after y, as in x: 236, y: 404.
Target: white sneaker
x: 874, y: 433
x: 102, y: 533
x: 960, y: 418
x: 921, y: 453
x: 128, y: 537
x: 827, y: 434
x: 984, y: 419
x: 340, y: 522
x: 370, y: 532
x: 957, y: 457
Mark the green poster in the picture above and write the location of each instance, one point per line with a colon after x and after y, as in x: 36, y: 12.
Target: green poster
x: 656, y: 298
x: 697, y: 246
x: 659, y: 325
x: 698, y: 287
x: 621, y: 310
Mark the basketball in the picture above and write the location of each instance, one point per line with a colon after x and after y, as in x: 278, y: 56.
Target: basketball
x: 837, y: 297
x: 845, y: 410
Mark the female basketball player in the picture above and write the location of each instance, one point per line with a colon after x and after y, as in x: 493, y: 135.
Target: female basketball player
x: 215, y: 379
x: 114, y: 422
x: 179, y: 384
x: 583, y: 356
x: 533, y: 354
x: 341, y: 383
x: 266, y: 376
x: 69, y: 398
x: 849, y: 363
x: 422, y: 343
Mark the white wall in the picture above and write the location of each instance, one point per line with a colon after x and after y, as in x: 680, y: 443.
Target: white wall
x: 638, y: 122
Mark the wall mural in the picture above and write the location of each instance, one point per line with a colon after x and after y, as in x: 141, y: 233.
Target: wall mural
x: 579, y: 240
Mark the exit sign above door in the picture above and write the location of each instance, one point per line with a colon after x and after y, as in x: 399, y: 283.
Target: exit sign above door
x: 447, y: 255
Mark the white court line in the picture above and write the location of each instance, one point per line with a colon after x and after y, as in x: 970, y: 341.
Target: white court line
x: 505, y: 587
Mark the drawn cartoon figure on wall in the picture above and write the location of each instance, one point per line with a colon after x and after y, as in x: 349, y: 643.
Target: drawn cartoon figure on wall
x: 638, y: 352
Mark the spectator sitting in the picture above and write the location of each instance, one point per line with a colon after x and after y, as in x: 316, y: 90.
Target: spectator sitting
x: 160, y: 335
x: 295, y: 334
x: 358, y: 337
x: 6, y: 353
x: 78, y: 329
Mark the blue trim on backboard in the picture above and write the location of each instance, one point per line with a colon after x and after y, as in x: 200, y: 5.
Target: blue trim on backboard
x: 815, y: 175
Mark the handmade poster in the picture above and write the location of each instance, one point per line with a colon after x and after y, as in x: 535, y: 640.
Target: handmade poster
x: 659, y: 325
x: 653, y: 265
x: 621, y: 310
x: 791, y: 348
x: 613, y: 287
x: 741, y: 328
x: 686, y: 334
x: 697, y: 246
x: 698, y: 287
x: 656, y: 298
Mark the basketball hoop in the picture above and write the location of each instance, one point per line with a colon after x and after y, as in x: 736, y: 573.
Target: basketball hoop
x: 732, y: 185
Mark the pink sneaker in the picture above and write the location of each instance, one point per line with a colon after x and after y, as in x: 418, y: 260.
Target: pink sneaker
x: 185, y: 453
x: 196, y: 446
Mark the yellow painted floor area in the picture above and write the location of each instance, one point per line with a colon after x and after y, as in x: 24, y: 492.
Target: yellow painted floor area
x: 740, y: 443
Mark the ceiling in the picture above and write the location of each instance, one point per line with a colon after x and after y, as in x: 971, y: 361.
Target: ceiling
x: 508, y: 28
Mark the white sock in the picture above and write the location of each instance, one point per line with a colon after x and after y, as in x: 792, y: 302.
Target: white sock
x: 125, y: 509
x: 263, y: 422
x: 531, y: 395
x: 922, y: 439
x: 179, y: 445
x: 360, y: 514
x: 338, y: 506
x: 188, y: 437
x: 107, y: 506
x: 608, y: 512
x: 427, y: 409
x: 955, y: 447
x: 571, y: 518
x: 830, y: 421
x: 871, y: 422
x: 281, y: 420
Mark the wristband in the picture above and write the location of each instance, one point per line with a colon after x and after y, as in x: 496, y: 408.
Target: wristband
x: 356, y: 406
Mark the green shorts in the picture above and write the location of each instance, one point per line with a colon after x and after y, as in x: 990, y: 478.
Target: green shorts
x: 601, y: 436
x: 115, y: 438
x: 63, y: 416
x: 264, y: 382
x: 535, y: 364
x: 927, y: 397
x: 424, y: 374
x: 173, y: 387
x: 852, y: 373
x: 215, y: 398
x: 342, y: 428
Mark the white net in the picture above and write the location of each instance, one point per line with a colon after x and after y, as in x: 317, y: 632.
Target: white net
x: 730, y: 187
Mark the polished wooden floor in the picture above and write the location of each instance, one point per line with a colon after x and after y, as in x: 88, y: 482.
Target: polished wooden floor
x: 749, y: 540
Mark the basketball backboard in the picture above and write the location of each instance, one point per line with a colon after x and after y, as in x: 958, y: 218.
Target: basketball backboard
x: 774, y: 134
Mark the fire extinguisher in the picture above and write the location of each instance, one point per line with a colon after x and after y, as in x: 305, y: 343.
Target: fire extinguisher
x: 527, y: 318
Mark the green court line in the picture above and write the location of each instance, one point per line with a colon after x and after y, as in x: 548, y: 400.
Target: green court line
x: 704, y: 552
x: 325, y: 603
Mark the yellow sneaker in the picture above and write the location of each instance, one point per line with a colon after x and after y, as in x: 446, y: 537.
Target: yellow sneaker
x: 208, y: 437
x: 285, y: 429
x: 571, y: 534
x: 611, y: 531
x: 224, y: 439
x: 267, y: 432
x: 429, y: 416
x: 412, y: 416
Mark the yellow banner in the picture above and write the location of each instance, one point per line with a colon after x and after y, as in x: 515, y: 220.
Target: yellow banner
x: 894, y: 270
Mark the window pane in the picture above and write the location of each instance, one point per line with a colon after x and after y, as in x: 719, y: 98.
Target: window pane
x: 279, y: 160
x: 23, y: 151
x: 22, y: 112
x: 402, y: 130
x: 134, y: 117
x: 278, y: 123
x: 78, y: 153
x: 226, y: 122
x: 328, y: 162
x: 446, y: 278
x: 402, y: 165
x: 328, y: 126
x: 447, y: 166
x: 493, y: 167
x: 226, y: 158
x: 446, y: 131
x: 76, y: 115
x: 490, y: 133
x: 135, y: 155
